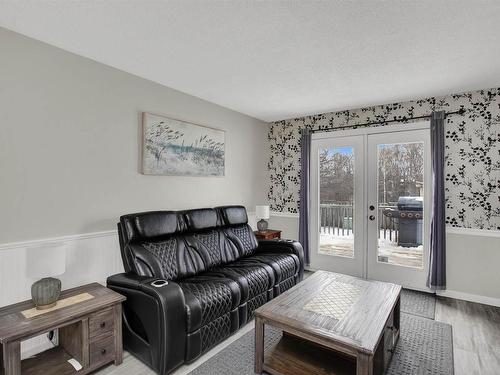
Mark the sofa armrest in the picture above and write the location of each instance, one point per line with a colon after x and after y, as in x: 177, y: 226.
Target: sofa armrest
x: 154, y: 320
x: 283, y: 246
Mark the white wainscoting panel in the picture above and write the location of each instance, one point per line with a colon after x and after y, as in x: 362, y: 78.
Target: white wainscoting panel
x: 90, y: 257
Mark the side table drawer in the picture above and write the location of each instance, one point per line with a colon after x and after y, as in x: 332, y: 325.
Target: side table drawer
x: 102, y: 350
x: 101, y: 323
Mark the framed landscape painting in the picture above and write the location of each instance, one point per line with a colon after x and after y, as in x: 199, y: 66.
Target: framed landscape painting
x: 180, y: 148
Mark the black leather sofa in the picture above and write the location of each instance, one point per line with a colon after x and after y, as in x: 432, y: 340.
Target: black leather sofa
x: 216, y: 274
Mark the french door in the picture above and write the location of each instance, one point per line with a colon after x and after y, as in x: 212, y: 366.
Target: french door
x: 369, y: 200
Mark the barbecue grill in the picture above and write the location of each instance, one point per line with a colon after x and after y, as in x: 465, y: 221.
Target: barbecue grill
x: 410, y: 216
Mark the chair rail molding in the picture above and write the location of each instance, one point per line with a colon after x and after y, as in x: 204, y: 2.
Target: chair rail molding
x: 473, y: 232
x: 64, y: 238
x: 90, y: 257
x: 285, y: 214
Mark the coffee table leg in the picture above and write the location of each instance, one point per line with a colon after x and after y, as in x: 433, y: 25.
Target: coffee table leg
x: 259, y: 345
x: 364, y: 364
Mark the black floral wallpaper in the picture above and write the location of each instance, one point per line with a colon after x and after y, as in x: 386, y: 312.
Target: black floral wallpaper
x: 472, y: 144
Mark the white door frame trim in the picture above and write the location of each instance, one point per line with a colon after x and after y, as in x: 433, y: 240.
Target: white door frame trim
x: 407, y: 276
x: 365, y: 132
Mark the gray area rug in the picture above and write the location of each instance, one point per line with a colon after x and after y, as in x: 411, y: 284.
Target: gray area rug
x: 418, y: 303
x: 424, y: 347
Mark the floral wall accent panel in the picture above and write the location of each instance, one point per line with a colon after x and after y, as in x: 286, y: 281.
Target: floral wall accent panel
x: 472, y: 168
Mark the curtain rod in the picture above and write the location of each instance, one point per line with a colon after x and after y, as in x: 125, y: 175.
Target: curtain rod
x: 461, y: 111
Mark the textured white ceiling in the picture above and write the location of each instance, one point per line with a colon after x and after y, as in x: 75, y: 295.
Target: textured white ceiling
x: 280, y: 59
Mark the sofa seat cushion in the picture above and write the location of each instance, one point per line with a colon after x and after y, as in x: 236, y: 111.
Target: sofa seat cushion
x: 208, y: 298
x: 286, y: 284
x: 216, y: 331
x: 253, y: 278
x: 284, y: 265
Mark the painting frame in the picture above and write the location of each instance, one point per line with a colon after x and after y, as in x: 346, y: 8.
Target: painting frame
x: 178, y: 147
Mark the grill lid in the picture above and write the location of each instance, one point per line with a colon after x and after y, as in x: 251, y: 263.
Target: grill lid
x: 410, y: 203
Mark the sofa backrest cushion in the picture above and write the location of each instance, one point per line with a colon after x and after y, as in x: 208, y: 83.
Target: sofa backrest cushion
x: 213, y: 247
x: 201, y: 219
x: 154, y: 225
x: 243, y: 238
x: 237, y: 229
x: 170, y: 259
x: 178, y: 244
x: 233, y: 215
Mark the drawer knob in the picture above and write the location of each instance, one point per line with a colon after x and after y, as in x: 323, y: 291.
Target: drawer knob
x: 103, y: 351
x: 103, y: 324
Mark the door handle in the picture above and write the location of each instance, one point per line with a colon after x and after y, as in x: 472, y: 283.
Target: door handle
x: 371, y: 217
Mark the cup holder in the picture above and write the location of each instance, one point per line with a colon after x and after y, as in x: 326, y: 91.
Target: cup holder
x: 159, y: 283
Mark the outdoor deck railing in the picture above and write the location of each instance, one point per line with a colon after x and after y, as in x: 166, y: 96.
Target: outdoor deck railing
x: 337, y: 219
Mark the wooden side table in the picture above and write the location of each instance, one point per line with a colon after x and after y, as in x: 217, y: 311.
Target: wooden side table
x: 267, y: 234
x: 89, y: 319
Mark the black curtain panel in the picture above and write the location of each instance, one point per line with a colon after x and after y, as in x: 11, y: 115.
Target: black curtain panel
x: 437, y: 264
x: 305, y: 147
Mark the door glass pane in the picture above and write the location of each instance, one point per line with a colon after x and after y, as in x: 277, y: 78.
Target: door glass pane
x: 336, y: 184
x: 400, y: 203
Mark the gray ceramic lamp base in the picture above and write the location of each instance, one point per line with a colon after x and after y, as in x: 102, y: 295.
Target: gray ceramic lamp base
x: 262, y: 225
x: 45, y: 292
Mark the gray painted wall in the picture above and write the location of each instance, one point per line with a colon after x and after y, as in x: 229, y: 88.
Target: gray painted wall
x: 70, y: 145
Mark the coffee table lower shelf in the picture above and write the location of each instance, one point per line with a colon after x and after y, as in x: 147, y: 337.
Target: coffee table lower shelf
x: 317, y: 341
x: 295, y: 356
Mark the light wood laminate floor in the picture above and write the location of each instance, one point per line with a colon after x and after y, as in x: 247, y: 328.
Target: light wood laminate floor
x: 476, y: 341
x: 476, y: 335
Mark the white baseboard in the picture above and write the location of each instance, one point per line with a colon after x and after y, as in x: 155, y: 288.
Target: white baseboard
x: 492, y: 301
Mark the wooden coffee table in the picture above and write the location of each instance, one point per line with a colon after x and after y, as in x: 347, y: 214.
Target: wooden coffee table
x: 332, y: 324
